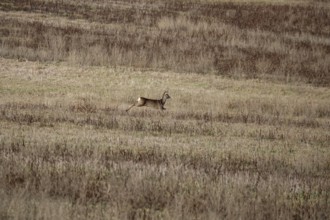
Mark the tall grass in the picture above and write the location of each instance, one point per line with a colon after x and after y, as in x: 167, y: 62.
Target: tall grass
x: 286, y: 42
x: 223, y: 149
x: 243, y: 136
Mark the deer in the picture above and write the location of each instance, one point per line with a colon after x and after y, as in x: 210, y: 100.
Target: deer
x: 153, y: 103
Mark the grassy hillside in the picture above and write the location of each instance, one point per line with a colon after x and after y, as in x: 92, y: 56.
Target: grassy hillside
x: 286, y: 41
x: 245, y: 135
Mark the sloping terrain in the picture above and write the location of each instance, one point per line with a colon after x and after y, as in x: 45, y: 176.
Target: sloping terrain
x: 286, y: 42
x: 245, y: 134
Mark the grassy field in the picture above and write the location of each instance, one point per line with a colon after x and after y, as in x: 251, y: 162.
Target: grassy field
x: 285, y: 41
x: 245, y: 135
x: 224, y: 149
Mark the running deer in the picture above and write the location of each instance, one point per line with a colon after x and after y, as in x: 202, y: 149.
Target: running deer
x: 153, y: 103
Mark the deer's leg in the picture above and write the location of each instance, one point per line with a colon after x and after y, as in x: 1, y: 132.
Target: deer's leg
x: 130, y: 107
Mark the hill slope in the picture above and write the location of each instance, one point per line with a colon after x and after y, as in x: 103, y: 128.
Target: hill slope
x: 245, y: 135
x: 284, y: 41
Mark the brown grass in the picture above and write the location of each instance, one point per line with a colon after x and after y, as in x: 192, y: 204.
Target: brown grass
x: 225, y: 148
x: 245, y: 135
x: 286, y: 41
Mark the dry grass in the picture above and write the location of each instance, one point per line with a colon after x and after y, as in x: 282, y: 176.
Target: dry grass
x: 224, y: 149
x: 286, y: 42
x: 246, y: 139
